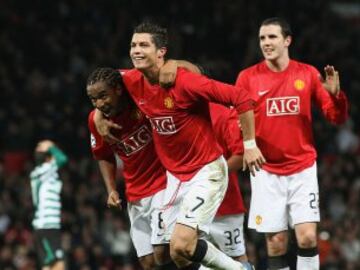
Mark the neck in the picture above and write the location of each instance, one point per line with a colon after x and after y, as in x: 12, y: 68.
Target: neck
x: 124, y: 103
x: 152, y: 74
x: 278, y: 65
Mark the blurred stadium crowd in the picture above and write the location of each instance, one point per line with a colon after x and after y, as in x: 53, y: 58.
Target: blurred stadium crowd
x: 47, y: 49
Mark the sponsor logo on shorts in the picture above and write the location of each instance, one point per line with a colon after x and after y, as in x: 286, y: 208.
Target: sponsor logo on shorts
x: 282, y: 106
x: 163, y: 125
x: 258, y: 220
x: 135, y: 141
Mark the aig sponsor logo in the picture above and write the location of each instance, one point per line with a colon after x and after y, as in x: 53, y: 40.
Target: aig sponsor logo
x: 135, y: 141
x: 282, y: 106
x: 163, y: 125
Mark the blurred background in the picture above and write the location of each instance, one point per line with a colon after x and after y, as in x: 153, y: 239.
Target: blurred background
x: 47, y: 50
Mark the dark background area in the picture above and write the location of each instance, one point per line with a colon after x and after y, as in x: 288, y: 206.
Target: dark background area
x: 47, y: 50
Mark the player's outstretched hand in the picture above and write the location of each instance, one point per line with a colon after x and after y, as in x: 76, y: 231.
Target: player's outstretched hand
x: 332, y: 80
x: 114, y: 200
x: 168, y: 73
x: 253, y: 159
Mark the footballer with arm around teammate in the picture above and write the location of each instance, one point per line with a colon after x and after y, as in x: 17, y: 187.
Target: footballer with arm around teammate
x: 186, y: 146
x: 284, y: 90
x: 144, y: 176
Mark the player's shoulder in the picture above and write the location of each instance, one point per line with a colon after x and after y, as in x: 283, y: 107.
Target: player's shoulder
x: 130, y: 75
x: 91, y: 116
x: 183, y: 72
x: 185, y: 78
x: 297, y: 65
x: 91, y: 122
x: 254, y: 69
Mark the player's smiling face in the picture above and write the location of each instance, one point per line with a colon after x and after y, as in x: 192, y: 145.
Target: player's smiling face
x: 272, y: 43
x: 144, y: 53
x: 105, y: 98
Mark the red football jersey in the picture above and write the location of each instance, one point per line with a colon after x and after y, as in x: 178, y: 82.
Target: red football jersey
x: 228, y: 135
x: 180, y: 118
x: 144, y: 175
x: 283, y: 113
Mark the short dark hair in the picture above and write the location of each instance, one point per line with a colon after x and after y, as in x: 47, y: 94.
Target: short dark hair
x: 110, y: 76
x: 158, y: 33
x: 284, y: 25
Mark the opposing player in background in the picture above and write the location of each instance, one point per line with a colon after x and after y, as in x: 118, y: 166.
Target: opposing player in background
x: 186, y: 146
x: 46, y: 188
x: 285, y: 191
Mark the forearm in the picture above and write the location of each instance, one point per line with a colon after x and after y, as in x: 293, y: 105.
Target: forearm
x: 108, y: 172
x: 248, y: 125
x: 58, y: 155
x: 189, y: 66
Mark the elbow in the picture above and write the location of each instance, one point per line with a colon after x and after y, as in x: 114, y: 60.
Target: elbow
x: 62, y: 161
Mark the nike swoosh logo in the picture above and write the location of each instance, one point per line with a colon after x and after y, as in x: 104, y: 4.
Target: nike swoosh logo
x: 261, y: 93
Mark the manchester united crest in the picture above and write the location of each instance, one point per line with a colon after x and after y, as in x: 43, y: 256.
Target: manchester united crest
x: 299, y: 84
x: 168, y: 102
x: 258, y: 220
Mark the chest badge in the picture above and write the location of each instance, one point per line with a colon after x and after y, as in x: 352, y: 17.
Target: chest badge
x: 169, y: 103
x: 299, y: 84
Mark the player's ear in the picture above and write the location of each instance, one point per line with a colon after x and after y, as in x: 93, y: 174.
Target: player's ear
x: 288, y: 41
x: 119, y: 90
x: 161, y: 52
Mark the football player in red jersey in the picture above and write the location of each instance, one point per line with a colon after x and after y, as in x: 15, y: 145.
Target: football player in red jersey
x: 186, y: 146
x: 145, y: 178
x: 227, y: 229
x: 285, y: 191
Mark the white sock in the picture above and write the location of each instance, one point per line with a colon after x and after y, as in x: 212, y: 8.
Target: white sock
x: 308, y: 263
x: 219, y: 260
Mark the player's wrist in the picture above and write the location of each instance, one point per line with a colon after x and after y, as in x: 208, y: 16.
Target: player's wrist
x: 111, y: 191
x: 250, y: 144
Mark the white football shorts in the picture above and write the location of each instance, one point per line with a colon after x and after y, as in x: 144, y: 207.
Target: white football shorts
x: 278, y: 201
x: 194, y: 203
x: 227, y: 233
x: 145, y: 223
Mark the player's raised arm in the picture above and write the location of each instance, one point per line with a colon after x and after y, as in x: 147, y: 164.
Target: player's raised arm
x: 329, y: 97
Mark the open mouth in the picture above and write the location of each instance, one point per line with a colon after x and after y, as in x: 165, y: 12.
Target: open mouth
x: 106, y: 111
